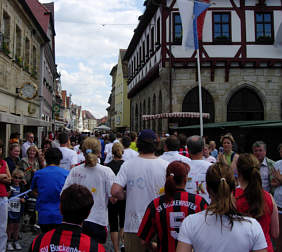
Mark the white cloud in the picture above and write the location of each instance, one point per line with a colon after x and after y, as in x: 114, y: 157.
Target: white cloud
x: 84, y: 44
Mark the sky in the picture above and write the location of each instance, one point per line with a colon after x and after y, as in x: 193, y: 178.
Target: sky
x: 89, y: 34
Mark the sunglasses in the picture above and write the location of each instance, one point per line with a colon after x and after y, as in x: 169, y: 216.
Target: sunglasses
x: 16, y: 177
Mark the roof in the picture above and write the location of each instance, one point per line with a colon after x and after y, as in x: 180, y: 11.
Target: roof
x: 114, y: 69
x: 88, y: 115
x: 29, y: 6
x: 240, y: 124
x: 41, y: 13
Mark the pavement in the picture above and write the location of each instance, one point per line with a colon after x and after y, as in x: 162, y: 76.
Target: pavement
x: 28, y: 237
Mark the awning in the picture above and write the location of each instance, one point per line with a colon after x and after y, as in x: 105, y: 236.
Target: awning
x: 240, y: 124
x: 175, y: 115
x: 277, y: 124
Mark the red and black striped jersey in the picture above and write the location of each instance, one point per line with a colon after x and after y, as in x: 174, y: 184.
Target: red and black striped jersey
x: 163, y: 217
x: 184, y: 152
x: 65, y: 238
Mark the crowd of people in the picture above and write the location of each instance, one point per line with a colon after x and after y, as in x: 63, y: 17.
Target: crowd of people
x: 169, y: 193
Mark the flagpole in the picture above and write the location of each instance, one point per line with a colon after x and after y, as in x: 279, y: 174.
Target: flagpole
x: 200, y: 93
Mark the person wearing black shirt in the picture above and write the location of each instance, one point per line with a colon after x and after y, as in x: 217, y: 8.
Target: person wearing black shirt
x: 76, y: 202
x: 165, y: 214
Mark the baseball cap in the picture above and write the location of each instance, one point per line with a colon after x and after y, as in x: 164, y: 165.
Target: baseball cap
x: 147, y: 135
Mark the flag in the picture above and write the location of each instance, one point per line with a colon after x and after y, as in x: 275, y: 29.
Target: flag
x: 190, y: 12
x: 278, y: 37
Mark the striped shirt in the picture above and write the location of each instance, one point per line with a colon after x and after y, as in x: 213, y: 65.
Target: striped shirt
x: 164, y: 218
x: 66, y: 237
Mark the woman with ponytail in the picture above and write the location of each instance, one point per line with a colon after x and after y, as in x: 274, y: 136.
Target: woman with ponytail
x: 221, y: 227
x: 165, y: 213
x: 98, y: 179
x: 252, y: 200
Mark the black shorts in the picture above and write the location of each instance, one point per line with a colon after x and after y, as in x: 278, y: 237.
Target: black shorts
x: 96, y: 231
x: 116, y: 215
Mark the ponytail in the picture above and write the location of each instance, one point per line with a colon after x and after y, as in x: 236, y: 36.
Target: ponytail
x: 248, y: 168
x: 221, y: 184
x: 91, y: 148
x: 176, y: 175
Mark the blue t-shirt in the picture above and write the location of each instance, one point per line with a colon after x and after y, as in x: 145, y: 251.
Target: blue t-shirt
x: 49, y: 182
x: 102, y: 147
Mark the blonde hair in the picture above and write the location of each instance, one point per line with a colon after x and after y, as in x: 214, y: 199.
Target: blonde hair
x: 91, y: 148
x: 32, y: 147
x: 227, y: 136
x: 117, y: 150
x: 17, y: 172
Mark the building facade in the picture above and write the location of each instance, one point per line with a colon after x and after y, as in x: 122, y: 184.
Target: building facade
x: 111, y: 109
x: 21, y: 41
x: 240, y: 66
x: 122, y: 104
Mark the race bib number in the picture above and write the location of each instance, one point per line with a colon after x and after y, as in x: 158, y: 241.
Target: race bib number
x: 175, y: 219
x: 15, y: 206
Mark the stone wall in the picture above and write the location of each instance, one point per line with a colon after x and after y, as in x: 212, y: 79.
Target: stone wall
x: 266, y: 83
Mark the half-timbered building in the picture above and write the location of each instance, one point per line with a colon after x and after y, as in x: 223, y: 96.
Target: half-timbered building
x: 240, y: 64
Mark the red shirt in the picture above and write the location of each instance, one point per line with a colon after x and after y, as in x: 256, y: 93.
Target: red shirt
x: 164, y: 218
x: 265, y: 220
x: 66, y: 237
x: 3, y: 170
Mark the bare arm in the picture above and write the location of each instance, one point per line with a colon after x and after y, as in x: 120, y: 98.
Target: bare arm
x: 6, y: 178
x: 183, y: 247
x: 274, y: 224
x: 260, y: 250
x: 117, y: 191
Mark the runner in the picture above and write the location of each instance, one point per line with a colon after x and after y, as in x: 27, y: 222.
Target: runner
x: 144, y: 177
x: 221, y: 227
x: 76, y: 202
x: 98, y: 179
x: 165, y: 213
x: 253, y: 200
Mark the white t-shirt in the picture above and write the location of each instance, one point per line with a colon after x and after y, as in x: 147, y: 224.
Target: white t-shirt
x: 206, y: 234
x: 210, y: 159
x: 108, y: 150
x: 129, y: 153
x: 197, y: 178
x: 144, y: 179
x: 25, y: 147
x: 98, y: 180
x: 171, y: 156
x: 278, y: 190
x: 69, y: 158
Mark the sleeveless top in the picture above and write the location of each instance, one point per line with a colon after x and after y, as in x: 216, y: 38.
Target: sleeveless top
x: 265, y: 220
x: 229, y: 157
x: 3, y: 170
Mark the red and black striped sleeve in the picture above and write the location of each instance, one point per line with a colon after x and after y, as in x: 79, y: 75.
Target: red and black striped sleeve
x: 147, y: 228
x: 201, y: 203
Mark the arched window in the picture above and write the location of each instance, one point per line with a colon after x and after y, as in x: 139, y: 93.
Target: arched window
x: 136, y: 118
x: 154, y: 112
x: 245, y: 105
x: 160, y: 110
x: 149, y: 112
x: 191, y: 104
x: 144, y: 113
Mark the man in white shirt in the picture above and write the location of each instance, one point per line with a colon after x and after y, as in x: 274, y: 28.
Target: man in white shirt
x: 198, y: 168
x: 171, y: 153
x: 28, y: 143
x: 69, y: 156
x: 144, y: 178
x: 108, y: 148
x: 127, y: 152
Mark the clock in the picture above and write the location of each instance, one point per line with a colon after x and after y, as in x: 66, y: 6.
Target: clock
x: 28, y: 91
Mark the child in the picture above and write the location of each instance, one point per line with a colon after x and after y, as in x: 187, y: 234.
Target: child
x: 14, y: 211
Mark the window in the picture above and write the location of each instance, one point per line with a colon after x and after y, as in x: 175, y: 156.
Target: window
x: 34, y: 72
x: 264, y: 27
x: 152, y: 39
x: 221, y: 27
x: 143, y: 47
x: 177, y: 28
x: 18, y: 42
x: 158, y: 32
x: 6, y: 31
x: 148, y: 46
x: 140, y: 55
x: 26, y: 54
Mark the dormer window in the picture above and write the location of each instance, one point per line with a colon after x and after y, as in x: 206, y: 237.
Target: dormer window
x: 264, y: 27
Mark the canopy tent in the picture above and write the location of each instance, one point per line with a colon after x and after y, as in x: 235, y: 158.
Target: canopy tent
x: 240, y: 124
x: 103, y: 127
x: 175, y: 115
